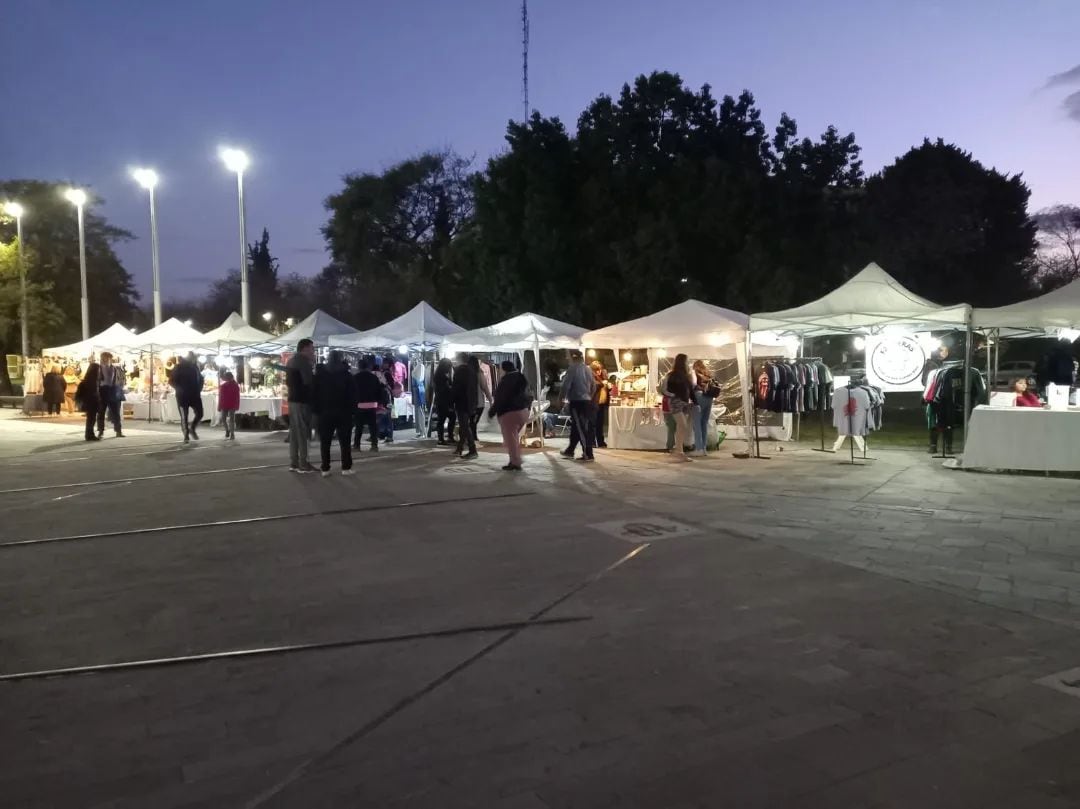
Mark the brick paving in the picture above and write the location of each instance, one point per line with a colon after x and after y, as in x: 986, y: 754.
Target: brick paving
x: 817, y: 635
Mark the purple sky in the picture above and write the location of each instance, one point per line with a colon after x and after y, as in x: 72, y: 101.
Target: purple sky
x: 317, y: 89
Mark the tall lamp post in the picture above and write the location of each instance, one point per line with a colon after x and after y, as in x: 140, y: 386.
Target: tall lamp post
x: 77, y: 197
x: 236, y: 160
x: 15, y: 210
x: 148, y: 179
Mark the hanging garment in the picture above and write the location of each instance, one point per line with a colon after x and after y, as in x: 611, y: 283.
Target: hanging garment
x: 33, y: 382
x: 851, y: 409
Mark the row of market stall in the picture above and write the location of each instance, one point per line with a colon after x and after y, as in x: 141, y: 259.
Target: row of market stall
x: 736, y: 347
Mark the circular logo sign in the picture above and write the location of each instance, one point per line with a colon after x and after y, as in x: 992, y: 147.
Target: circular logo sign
x: 897, y: 360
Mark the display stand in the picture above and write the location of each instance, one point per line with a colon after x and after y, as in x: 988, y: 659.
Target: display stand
x: 851, y: 434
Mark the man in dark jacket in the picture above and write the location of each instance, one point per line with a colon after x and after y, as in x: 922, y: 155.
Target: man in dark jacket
x: 334, y: 401
x: 187, y: 381
x: 299, y: 379
x: 371, y: 394
x: 464, y: 389
x: 443, y: 403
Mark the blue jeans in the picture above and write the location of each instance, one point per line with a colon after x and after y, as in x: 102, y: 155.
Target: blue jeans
x: 700, y: 418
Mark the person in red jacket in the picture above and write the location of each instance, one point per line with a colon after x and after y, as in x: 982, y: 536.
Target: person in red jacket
x: 229, y: 403
x: 1025, y: 397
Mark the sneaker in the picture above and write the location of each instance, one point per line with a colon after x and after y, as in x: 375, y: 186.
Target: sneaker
x: 348, y: 473
x: 567, y: 455
x: 92, y: 438
x: 187, y: 440
x: 588, y: 459
x: 325, y: 473
x: 194, y: 434
x: 308, y: 468
x: 511, y: 467
x: 470, y: 457
x: 374, y: 447
x: 299, y: 470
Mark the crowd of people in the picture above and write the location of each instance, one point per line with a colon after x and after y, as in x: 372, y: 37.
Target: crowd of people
x: 336, y: 402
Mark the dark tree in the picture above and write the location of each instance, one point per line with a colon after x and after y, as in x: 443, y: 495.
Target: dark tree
x: 263, y: 279
x: 388, y: 234
x: 1057, y: 259
x: 52, y: 235
x: 949, y: 228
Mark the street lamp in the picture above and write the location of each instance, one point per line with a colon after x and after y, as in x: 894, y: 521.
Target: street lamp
x: 16, y: 210
x: 236, y: 160
x: 268, y: 316
x: 77, y: 197
x: 148, y: 179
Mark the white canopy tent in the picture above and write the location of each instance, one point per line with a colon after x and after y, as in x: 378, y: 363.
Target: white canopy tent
x: 317, y: 327
x: 235, y: 333
x: 521, y: 333
x: 1056, y: 310
x: 692, y: 327
x: 171, y: 335
x: 871, y: 300
x: 421, y: 328
x: 114, y: 338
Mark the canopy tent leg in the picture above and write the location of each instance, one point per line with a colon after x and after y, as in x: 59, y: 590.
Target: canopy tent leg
x: 967, y: 374
x: 744, y: 358
x: 539, y: 382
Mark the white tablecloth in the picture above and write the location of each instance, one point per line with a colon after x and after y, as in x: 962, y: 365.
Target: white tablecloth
x: 271, y: 405
x: 1026, y: 438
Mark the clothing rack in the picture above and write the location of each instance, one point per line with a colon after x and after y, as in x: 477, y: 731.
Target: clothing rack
x: 851, y: 437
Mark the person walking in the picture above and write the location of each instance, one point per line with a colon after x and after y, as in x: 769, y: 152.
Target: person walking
x: 88, y: 398
x: 483, y: 395
x: 601, y: 402
x: 464, y: 394
x: 229, y: 403
x: 111, y: 387
x: 577, y: 391
x: 54, y: 389
x: 705, y: 391
x: 299, y: 379
x: 443, y: 403
x: 370, y: 394
x: 334, y: 400
x: 187, y: 381
x: 679, y: 387
x: 510, y: 405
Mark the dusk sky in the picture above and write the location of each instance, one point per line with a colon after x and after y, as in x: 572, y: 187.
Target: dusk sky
x: 318, y: 89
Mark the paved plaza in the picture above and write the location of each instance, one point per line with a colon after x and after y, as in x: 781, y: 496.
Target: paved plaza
x: 791, y: 632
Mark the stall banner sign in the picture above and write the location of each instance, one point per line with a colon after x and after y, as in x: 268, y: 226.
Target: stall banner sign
x: 895, y: 362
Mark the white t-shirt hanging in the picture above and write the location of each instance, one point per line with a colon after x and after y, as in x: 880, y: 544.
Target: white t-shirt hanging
x: 850, y: 409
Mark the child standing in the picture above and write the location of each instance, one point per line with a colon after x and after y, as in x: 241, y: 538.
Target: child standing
x: 229, y: 403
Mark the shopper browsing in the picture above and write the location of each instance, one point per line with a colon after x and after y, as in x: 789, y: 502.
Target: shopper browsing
x: 228, y: 403
x: 511, y: 406
x: 465, y: 391
x: 679, y: 387
x: 299, y: 378
x: 334, y: 401
x: 577, y: 392
x: 111, y: 394
x: 187, y: 380
x: 88, y: 398
x: 371, y: 393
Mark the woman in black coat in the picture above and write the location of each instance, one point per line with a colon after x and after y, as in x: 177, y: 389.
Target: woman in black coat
x: 88, y: 398
x: 54, y: 389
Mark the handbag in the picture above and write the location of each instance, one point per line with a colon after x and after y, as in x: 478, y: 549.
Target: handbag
x: 713, y: 390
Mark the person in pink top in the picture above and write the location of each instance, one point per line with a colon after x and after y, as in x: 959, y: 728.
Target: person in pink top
x: 229, y: 403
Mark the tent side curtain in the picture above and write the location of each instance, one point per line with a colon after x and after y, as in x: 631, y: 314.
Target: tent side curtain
x: 868, y: 302
x: 1057, y: 309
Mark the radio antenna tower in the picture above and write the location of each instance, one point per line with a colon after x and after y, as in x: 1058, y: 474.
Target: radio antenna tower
x: 525, y: 56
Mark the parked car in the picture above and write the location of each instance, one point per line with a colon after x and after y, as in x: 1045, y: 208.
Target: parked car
x: 850, y: 368
x: 1009, y: 371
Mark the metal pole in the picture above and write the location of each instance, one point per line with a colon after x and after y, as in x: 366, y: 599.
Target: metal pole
x: 23, y: 308
x: 82, y: 276
x: 245, y: 304
x: 997, y: 357
x: 157, y: 269
x: 967, y: 372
